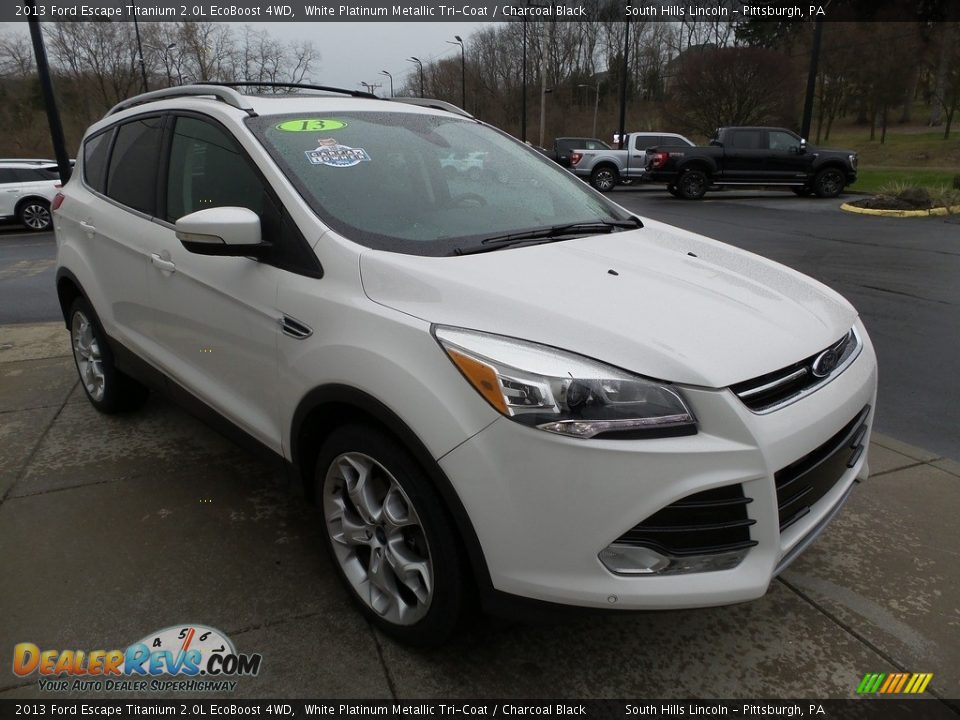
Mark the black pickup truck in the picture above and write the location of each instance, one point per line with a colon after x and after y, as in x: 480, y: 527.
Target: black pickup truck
x: 757, y: 156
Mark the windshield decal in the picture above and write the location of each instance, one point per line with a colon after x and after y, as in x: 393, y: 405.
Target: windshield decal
x: 331, y: 153
x: 311, y: 125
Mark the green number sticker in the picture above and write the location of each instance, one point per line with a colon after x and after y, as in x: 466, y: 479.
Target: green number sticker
x: 311, y: 125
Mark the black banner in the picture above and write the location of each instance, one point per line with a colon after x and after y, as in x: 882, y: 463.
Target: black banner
x: 245, y: 11
x: 867, y: 709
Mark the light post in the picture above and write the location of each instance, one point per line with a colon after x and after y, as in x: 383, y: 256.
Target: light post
x: 544, y: 90
x: 384, y: 72
x: 420, y: 65
x: 463, y: 70
x: 596, y: 106
x: 136, y: 30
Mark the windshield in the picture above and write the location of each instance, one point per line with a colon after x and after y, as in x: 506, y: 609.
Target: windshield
x: 423, y: 184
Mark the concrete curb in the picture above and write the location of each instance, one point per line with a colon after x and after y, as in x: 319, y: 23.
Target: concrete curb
x: 932, y: 212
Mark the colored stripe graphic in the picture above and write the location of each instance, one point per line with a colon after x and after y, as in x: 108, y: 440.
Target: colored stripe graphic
x: 894, y: 683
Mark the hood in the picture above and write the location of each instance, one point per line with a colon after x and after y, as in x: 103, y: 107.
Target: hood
x: 657, y: 301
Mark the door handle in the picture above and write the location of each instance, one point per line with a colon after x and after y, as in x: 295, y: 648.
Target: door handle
x: 164, y: 265
x: 87, y: 226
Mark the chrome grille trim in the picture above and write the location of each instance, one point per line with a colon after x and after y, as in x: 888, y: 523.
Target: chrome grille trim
x: 848, y: 347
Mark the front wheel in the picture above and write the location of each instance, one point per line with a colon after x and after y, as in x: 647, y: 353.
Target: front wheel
x: 693, y: 185
x: 108, y: 389
x: 389, y: 536
x: 605, y: 178
x: 35, y: 214
x: 829, y: 183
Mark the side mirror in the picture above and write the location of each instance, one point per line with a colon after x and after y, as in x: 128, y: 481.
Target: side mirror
x: 230, y: 231
x: 803, y: 147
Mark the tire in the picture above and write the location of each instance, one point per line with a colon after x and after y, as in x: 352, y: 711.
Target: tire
x: 802, y: 191
x: 605, y: 178
x: 673, y: 190
x: 693, y: 185
x: 829, y: 183
x: 108, y: 389
x: 423, y: 605
x: 35, y: 214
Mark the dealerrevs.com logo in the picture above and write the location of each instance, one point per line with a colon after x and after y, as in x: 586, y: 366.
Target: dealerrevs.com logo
x: 180, y: 658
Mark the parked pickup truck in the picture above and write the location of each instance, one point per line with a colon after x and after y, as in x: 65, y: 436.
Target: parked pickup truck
x: 752, y: 156
x: 605, y: 169
x: 563, y: 147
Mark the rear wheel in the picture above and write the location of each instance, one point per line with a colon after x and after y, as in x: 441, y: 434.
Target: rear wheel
x: 108, y: 389
x: 829, y: 183
x: 35, y: 214
x: 389, y: 536
x: 605, y: 178
x: 693, y: 185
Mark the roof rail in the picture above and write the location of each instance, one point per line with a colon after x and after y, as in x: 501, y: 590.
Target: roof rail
x: 435, y: 104
x: 224, y: 94
x: 301, y: 86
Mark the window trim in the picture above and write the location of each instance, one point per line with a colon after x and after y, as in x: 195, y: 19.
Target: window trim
x: 113, y: 143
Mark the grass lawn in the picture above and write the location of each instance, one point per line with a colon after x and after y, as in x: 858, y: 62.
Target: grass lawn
x: 904, y: 148
x: 871, y: 179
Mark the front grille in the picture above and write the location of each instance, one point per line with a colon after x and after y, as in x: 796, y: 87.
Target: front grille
x: 780, y: 387
x: 713, y: 521
x: 804, y: 482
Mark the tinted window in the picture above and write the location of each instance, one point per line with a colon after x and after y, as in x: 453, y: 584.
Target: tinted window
x: 745, y: 139
x: 8, y: 175
x: 32, y: 175
x: 132, y: 179
x: 95, y: 152
x: 780, y: 140
x: 208, y: 169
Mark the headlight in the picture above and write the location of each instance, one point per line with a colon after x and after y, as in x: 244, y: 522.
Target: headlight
x: 853, y: 160
x: 564, y: 393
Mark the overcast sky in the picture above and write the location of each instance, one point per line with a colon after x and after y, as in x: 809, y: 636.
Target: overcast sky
x: 355, y: 52
x: 351, y: 53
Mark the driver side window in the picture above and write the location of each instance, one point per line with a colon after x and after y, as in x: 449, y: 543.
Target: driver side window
x: 208, y: 169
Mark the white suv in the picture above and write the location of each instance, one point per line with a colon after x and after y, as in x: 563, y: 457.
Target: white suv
x: 27, y: 187
x: 505, y: 387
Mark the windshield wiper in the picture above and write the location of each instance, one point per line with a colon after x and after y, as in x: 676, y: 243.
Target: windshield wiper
x: 549, y: 234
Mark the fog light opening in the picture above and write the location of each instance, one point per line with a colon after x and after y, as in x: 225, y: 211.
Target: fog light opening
x: 622, y: 559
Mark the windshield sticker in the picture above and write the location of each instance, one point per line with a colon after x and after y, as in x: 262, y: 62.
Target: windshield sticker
x: 311, y: 125
x: 331, y: 153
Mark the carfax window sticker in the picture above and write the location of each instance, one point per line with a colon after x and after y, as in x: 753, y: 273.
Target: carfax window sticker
x: 311, y: 125
x: 331, y: 153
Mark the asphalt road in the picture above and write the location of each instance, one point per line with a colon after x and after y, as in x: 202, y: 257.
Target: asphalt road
x: 902, y: 275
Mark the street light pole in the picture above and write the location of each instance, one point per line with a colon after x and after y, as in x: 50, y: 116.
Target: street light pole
x: 46, y: 87
x: 420, y: 65
x: 596, y: 106
x: 811, y: 80
x: 384, y: 72
x: 623, y: 82
x: 136, y: 30
x: 463, y: 70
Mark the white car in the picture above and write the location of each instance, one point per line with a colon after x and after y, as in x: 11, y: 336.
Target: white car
x: 27, y: 187
x: 508, y: 388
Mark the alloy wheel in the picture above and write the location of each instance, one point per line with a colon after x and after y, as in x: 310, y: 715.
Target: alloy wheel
x: 86, y: 351
x: 378, y: 538
x: 36, y: 216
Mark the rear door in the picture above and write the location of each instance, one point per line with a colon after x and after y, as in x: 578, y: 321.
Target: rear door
x: 9, y: 191
x: 744, y: 156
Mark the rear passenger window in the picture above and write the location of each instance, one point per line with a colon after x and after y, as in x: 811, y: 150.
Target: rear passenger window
x: 208, y: 169
x: 746, y: 139
x: 132, y: 179
x: 8, y: 175
x: 95, y: 151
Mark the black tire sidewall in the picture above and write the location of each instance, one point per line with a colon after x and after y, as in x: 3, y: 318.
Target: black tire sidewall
x: 682, y: 184
x: 818, y: 182
x: 449, y: 565
x: 22, y: 209
x: 596, y: 173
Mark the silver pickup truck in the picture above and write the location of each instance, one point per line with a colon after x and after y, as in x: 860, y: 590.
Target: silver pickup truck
x: 605, y: 169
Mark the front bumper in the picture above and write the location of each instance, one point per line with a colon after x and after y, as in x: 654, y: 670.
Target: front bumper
x: 544, y: 506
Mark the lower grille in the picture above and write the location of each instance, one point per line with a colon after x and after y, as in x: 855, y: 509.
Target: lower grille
x: 713, y: 521
x: 804, y: 482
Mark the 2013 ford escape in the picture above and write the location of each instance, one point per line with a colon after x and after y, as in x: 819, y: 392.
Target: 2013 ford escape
x: 498, y: 383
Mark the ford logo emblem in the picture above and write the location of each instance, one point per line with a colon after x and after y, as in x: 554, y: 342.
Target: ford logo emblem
x: 825, y: 363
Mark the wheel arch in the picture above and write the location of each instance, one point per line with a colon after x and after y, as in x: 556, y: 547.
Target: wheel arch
x: 700, y: 164
x: 68, y: 290
x: 325, y: 408
x: 24, y: 200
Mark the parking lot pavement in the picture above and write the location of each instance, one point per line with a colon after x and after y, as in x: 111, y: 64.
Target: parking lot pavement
x: 112, y: 527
